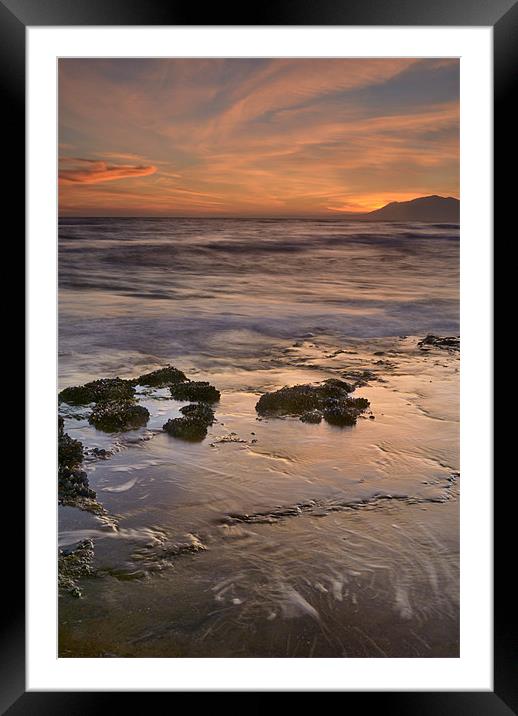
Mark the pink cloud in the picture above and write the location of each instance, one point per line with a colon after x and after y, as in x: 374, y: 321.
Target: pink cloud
x: 91, y: 171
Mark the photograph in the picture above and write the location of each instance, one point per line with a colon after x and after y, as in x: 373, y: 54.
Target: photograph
x: 258, y: 430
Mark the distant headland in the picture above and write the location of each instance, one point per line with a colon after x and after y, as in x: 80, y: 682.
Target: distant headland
x: 440, y: 209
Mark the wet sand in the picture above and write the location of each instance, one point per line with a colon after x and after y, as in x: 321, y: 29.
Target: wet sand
x: 275, y: 538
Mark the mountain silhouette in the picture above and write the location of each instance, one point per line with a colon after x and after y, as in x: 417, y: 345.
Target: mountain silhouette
x: 437, y: 209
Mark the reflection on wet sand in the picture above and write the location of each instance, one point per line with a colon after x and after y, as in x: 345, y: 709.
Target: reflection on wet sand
x: 275, y: 537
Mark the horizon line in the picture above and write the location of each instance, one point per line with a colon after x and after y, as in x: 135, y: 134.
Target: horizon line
x: 351, y: 215
x: 250, y: 218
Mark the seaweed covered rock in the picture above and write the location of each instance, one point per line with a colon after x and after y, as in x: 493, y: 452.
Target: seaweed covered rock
x: 359, y: 404
x: 193, y: 424
x: 200, y: 411
x: 334, y: 384
x: 73, y: 564
x: 74, y: 491
x: 329, y: 400
x: 449, y: 342
x: 311, y: 416
x: 300, y: 399
x: 118, y: 415
x: 70, y: 451
x: 340, y: 414
x: 361, y: 377
x: 344, y: 412
x: 195, y: 390
x: 73, y: 486
x: 98, y: 391
x: 161, y: 377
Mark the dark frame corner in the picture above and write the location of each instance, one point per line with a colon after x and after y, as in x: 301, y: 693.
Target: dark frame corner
x: 15, y: 16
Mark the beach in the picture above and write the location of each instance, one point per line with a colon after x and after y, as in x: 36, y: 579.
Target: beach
x: 269, y: 537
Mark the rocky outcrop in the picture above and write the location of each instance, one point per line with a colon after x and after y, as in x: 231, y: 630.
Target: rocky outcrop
x: 195, y: 390
x: 448, y: 342
x: 73, y: 564
x: 73, y: 486
x: 97, y: 391
x: 117, y: 415
x: 161, y: 377
x: 329, y: 400
x: 193, y: 425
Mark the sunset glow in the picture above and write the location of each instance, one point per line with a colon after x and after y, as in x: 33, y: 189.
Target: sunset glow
x: 254, y: 137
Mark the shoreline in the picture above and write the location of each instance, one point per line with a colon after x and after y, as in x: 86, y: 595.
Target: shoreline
x: 290, y: 492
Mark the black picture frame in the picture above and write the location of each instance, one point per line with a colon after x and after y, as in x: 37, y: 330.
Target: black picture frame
x: 15, y: 17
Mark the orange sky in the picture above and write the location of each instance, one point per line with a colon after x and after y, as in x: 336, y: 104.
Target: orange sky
x: 254, y: 137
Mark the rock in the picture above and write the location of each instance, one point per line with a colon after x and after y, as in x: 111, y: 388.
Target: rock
x: 118, y: 415
x: 74, y: 491
x: 72, y: 479
x: 70, y: 451
x: 194, y: 423
x: 360, y: 377
x: 449, y: 342
x: 232, y: 438
x: 73, y: 487
x: 97, y: 391
x: 195, y: 390
x: 100, y: 453
x: 161, y: 377
x: 300, y: 399
x: 191, y: 545
x: 70, y: 457
x: 155, y: 557
x: 199, y: 411
x: 73, y: 565
x: 359, y: 404
x: 311, y: 416
x: 329, y: 400
x: 340, y: 414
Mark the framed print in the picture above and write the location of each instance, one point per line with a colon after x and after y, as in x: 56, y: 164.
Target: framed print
x: 259, y: 352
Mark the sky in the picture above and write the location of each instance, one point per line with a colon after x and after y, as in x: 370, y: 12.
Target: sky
x: 254, y: 137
